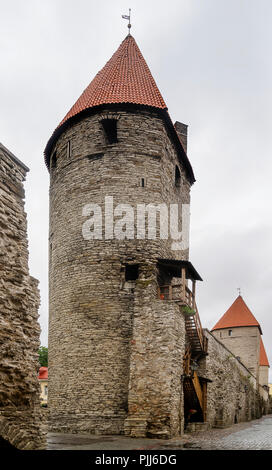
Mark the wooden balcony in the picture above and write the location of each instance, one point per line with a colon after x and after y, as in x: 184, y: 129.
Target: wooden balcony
x: 178, y: 292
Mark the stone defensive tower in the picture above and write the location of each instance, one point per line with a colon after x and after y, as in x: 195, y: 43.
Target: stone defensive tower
x: 115, y: 348
x: 240, y: 332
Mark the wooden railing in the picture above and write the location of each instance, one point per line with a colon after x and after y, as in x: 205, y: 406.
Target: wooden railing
x: 172, y: 292
x: 182, y: 293
x: 199, y: 329
x: 187, y: 362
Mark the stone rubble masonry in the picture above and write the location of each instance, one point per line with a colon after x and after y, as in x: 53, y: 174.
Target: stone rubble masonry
x: 115, y: 351
x: 155, y: 394
x: 264, y: 375
x: 232, y: 396
x: 20, y: 416
x: 182, y: 131
x: 244, y: 342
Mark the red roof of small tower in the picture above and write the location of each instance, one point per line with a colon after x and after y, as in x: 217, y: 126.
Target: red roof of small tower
x: 43, y: 373
x: 237, y: 315
x: 263, y: 356
x: 125, y: 78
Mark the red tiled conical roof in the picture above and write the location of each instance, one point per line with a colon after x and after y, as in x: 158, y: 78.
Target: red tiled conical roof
x: 237, y: 315
x: 125, y: 78
x: 263, y: 356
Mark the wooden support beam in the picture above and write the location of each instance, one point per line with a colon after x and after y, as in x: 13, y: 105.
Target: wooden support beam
x: 194, y: 293
x: 198, y: 389
x: 204, y: 393
x: 183, y: 287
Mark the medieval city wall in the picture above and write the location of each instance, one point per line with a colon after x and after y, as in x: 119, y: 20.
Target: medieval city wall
x: 244, y: 342
x: 232, y: 396
x: 20, y: 418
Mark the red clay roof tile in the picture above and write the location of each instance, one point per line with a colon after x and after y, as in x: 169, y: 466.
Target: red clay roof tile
x: 125, y: 78
x: 263, y: 356
x: 43, y: 373
x: 237, y: 315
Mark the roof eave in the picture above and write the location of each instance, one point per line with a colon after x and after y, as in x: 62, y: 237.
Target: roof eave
x: 92, y: 110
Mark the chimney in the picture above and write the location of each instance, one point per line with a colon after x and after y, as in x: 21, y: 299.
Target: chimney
x: 182, y: 133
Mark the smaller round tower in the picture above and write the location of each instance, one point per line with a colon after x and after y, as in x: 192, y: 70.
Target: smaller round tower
x: 241, y: 333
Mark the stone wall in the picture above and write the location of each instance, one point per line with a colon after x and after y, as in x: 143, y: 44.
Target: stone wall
x: 244, y: 342
x: 232, y: 396
x: 92, y: 308
x: 20, y: 418
x: 155, y: 401
x: 264, y: 375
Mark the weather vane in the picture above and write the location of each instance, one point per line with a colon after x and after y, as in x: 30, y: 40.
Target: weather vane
x: 127, y: 17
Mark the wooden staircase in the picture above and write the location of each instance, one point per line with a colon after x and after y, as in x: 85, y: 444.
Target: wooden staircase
x: 198, y: 342
x: 181, y: 294
x: 195, y: 395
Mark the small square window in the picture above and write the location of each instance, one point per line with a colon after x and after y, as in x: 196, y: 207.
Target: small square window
x: 131, y: 272
x: 230, y: 332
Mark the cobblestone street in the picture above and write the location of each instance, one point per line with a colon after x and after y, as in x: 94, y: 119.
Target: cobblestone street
x: 254, y: 435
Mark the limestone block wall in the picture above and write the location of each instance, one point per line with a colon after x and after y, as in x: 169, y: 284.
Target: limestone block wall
x: 155, y: 399
x: 91, y: 307
x: 244, y: 342
x: 263, y: 375
x: 20, y: 419
x: 232, y: 396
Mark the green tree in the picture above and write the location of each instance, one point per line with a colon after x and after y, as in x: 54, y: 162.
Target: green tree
x: 43, y: 356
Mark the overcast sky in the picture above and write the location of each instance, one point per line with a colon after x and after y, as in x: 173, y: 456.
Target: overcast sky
x: 212, y: 62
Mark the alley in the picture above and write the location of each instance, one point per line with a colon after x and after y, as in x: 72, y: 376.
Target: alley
x: 254, y: 435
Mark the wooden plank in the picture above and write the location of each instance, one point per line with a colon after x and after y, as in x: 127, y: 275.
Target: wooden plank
x: 204, y: 393
x: 193, y: 292
x: 198, y: 389
x: 183, y: 280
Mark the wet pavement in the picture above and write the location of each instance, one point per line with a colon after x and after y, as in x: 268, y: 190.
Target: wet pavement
x: 253, y: 435
x: 92, y: 442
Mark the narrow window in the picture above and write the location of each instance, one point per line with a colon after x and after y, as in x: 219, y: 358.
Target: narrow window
x: 177, y: 177
x: 142, y: 182
x: 131, y: 272
x: 53, y: 162
x: 50, y: 251
x: 69, y: 149
x: 230, y: 332
x: 110, y: 129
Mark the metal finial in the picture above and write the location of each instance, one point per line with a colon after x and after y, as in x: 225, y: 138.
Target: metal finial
x: 239, y: 290
x: 127, y: 17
